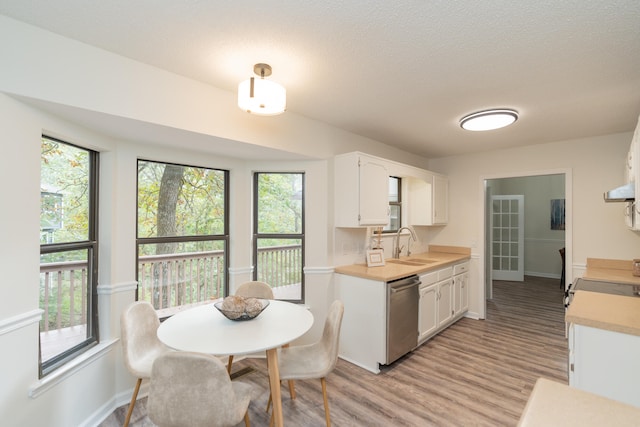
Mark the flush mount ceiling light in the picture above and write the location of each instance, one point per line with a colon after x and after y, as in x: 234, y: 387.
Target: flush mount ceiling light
x: 260, y: 96
x: 489, y: 119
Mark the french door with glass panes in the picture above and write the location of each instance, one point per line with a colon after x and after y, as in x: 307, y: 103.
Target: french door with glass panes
x: 507, y: 237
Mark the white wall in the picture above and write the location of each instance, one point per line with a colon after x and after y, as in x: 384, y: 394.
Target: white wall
x: 595, y: 165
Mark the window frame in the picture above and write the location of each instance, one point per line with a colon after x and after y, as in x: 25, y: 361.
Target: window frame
x: 91, y: 246
x: 397, y: 203
x: 257, y: 236
x: 191, y: 238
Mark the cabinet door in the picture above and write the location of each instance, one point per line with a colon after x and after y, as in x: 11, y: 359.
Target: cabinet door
x: 427, y: 312
x: 605, y: 363
x: 445, y: 302
x: 419, y: 200
x: 460, y: 293
x: 374, y: 192
x: 464, y: 294
x: 457, y: 294
x: 440, y: 199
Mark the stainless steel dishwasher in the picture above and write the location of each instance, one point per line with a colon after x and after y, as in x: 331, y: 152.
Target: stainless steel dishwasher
x: 402, y: 317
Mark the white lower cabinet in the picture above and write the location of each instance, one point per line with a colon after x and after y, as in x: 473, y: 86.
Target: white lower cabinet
x: 445, y: 302
x: 460, y: 289
x: 444, y: 298
x: 605, y: 363
x: 363, y: 335
x: 428, y: 312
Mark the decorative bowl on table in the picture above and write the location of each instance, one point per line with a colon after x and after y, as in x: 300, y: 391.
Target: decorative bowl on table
x: 239, y: 308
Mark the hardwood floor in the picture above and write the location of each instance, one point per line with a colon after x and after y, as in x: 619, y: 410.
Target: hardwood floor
x: 475, y: 373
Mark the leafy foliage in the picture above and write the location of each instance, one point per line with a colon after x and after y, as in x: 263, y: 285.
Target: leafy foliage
x: 64, y: 178
x: 199, y: 205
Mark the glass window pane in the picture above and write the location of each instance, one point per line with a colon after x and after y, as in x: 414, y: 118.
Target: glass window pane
x: 65, y: 299
x: 177, y: 200
x: 394, y: 189
x: 279, y: 263
x: 279, y: 203
x: 394, y: 218
x: 64, y: 199
x: 514, y: 249
x: 180, y: 273
x: 496, y: 263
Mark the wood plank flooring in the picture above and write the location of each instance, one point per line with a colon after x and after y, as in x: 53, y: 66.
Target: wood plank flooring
x: 475, y: 373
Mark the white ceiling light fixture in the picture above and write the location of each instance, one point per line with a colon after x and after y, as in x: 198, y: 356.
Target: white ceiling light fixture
x: 260, y: 96
x: 489, y: 119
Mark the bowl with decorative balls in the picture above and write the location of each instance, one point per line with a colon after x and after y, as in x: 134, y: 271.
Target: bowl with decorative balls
x: 235, y: 307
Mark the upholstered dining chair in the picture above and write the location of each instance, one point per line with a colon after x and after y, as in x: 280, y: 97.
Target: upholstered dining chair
x: 194, y: 389
x: 315, y: 360
x: 138, y: 325
x: 253, y: 289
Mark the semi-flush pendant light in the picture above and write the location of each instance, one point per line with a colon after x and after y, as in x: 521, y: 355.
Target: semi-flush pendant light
x: 260, y: 96
x: 489, y: 119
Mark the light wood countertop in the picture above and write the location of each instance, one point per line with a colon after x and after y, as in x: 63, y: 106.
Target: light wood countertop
x: 555, y: 404
x: 604, y: 311
x: 439, y: 257
x: 611, y: 270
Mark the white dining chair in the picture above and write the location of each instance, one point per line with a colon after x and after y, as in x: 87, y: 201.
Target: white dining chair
x: 140, y: 344
x: 315, y: 360
x: 252, y: 289
x: 194, y: 390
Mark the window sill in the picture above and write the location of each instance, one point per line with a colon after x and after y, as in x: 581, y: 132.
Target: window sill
x: 70, y: 368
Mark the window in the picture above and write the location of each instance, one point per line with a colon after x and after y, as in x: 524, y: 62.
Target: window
x: 182, y: 235
x: 68, y: 252
x: 395, y: 208
x: 278, y: 243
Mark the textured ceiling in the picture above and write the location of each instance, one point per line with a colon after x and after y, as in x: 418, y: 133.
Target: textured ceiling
x: 402, y: 73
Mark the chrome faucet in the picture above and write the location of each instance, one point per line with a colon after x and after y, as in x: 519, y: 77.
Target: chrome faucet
x: 397, y: 248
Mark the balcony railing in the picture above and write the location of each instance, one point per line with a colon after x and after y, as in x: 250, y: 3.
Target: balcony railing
x: 167, y: 281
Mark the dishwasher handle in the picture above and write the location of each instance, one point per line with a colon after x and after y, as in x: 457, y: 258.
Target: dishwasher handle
x: 404, y: 284
x: 404, y: 288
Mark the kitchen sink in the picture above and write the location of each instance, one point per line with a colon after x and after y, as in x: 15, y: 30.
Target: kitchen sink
x: 416, y: 262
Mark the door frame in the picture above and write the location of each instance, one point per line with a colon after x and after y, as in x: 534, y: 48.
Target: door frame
x: 485, y: 279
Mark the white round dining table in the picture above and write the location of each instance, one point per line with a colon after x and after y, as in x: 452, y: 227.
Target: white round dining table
x: 204, y: 329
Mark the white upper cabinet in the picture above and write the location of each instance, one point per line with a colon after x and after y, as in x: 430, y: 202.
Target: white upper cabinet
x: 428, y: 200
x: 440, y: 199
x: 361, y: 191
